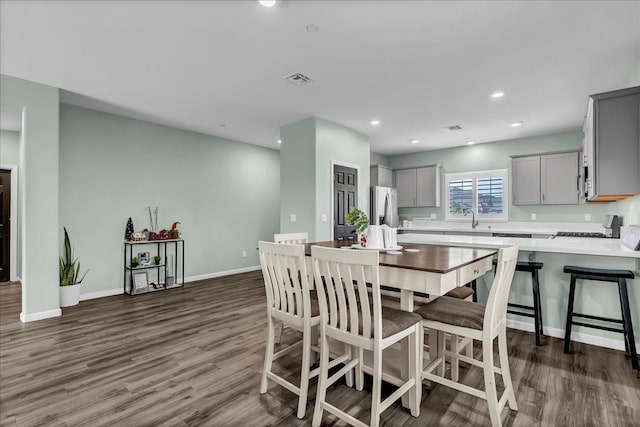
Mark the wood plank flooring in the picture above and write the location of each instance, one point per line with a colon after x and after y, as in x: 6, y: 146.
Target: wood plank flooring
x: 193, y: 357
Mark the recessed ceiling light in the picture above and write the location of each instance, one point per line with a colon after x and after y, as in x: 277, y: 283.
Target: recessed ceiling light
x: 375, y: 122
x: 222, y: 125
x: 279, y: 141
x: 470, y: 142
x: 414, y: 141
x: 267, y: 3
x: 497, y: 94
x: 516, y: 124
x: 312, y: 28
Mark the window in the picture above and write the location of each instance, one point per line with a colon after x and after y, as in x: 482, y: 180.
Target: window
x: 485, y: 192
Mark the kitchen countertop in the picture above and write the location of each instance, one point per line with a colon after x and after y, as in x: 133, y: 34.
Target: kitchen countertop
x: 549, y: 228
x: 563, y: 245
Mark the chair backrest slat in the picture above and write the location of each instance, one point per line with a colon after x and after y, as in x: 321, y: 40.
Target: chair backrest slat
x: 341, y: 277
x: 285, y: 277
x: 291, y: 238
x: 496, y: 310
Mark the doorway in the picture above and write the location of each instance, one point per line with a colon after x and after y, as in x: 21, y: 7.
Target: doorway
x: 5, y: 225
x: 345, y: 196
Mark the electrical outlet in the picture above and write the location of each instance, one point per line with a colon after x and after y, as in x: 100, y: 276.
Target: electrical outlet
x: 587, y: 217
x: 433, y: 216
x: 323, y: 217
x: 533, y: 217
x: 244, y: 254
x: 293, y: 217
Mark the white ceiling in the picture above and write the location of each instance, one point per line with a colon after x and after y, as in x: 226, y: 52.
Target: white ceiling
x: 417, y: 66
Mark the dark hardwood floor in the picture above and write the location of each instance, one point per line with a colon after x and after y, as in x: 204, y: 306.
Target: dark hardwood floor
x: 194, y: 357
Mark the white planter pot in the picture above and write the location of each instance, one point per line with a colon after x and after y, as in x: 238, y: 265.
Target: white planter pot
x: 69, y: 295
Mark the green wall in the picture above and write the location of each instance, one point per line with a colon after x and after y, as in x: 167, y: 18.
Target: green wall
x: 225, y: 193
x: 38, y: 190
x: 379, y: 159
x: 297, y: 176
x: 338, y: 143
x: 495, y: 155
x: 9, y: 147
x: 308, y: 148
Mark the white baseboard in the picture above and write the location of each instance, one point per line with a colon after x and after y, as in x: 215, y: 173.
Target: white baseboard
x: 119, y: 291
x: 24, y: 318
x: 221, y: 273
x: 575, y: 336
x: 101, y: 294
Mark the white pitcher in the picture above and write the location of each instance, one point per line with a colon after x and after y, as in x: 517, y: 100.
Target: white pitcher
x: 390, y: 236
x: 375, y: 237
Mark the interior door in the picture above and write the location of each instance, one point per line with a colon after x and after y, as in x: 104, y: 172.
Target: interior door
x: 5, y: 226
x: 345, y: 192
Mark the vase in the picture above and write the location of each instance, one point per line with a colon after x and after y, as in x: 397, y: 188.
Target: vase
x: 69, y: 295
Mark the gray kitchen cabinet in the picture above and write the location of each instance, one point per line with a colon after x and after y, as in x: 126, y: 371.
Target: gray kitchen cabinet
x: 559, y: 178
x: 428, y: 186
x: 406, y: 186
x: 526, y: 180
x: 418, y: 187
x: 381, y: 176
x: 546, y: 179
x: 611, y: 145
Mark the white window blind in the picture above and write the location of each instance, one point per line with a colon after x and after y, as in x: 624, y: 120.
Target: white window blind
x: 485, y: 192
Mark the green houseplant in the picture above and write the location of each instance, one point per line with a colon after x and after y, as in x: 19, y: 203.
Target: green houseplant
x: 358, y: 218
x: 157, y: 259
x: 70, y: 279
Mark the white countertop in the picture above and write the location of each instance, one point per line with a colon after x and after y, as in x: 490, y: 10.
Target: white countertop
x: 502, y: 227
x: 562, y: 245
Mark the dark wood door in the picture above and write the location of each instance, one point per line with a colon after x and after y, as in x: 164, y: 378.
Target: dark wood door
x: 5, y: 224
x: 345, y: 193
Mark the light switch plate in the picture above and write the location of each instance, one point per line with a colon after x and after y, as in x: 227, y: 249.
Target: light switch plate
x: 293, y: 217
x: 323, y: 217
x: 587, y: 217
x: 433, y: 216
x: 533, y: 217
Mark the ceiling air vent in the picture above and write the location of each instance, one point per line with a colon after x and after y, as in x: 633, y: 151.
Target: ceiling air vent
x: 454, y: 127
x: 298, y: 79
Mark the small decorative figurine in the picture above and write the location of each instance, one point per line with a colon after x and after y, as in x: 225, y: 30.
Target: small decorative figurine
x: 175, y: 233
x: 129, y: 230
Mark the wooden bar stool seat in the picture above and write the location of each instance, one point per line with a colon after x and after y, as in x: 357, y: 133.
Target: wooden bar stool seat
x: 536, y: 308
x: 602, y: 275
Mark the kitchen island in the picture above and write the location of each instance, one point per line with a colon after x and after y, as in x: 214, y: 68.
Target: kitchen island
x: 592, y: 297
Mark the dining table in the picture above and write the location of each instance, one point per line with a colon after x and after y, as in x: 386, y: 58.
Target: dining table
x: 424, y: 269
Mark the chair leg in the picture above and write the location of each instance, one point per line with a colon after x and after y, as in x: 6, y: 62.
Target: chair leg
x: 537, y: 312
x: 278, y: 331
x: 376, y: 393
x: 627, y: 325
x: 455, y: 362
x: 469, y: 350
x: 506, y: 372
x: 268, y: 356
x: 415, y: 369
x: 440, y: 348
x: 323, y: 378
x: 490, y: 382
x: 349, y: 375
x: 359, y: 371
x: 475, y: 290
x: 304, y: 375
x: 567, y: 331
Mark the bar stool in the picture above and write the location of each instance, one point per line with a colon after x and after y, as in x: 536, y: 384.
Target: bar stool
x: 530, y: 267
x: 603, y: 275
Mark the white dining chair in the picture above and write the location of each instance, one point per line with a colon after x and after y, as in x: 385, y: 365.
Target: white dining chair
x: 351, y: 315
x: 291, y: 238
x: 289, y: 301
x: 288, y: 239
x: 478, y: 322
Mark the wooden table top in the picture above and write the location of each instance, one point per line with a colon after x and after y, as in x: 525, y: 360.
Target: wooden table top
x: 435, y: 259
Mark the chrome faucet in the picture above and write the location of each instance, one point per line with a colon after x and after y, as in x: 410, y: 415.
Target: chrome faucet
x: 474, y: 221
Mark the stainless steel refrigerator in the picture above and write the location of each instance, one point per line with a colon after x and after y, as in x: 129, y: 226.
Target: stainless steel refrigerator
x: 384, y: 206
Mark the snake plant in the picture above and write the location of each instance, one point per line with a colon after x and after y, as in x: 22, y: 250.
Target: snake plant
x: 69, y: 266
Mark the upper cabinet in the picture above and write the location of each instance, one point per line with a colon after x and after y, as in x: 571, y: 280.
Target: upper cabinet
x: 611, y: 145
x: 381, y: 176
x: 418, y: 187
x: 546, y: 179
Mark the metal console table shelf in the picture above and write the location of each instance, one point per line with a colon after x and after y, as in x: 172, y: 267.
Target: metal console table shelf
x: 161, y: 269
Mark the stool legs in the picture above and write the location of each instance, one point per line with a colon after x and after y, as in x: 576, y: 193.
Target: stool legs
x: 537, y: 306
x: 567, y: 333
x: 627, y: 325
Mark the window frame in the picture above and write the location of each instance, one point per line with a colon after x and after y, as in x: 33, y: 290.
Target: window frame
x: 474, y: 176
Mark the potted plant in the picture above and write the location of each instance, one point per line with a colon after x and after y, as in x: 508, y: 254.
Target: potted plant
x: 157, y: 259
x: 358, y: 218
x: 134, y: 262
x: 70, y: 280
